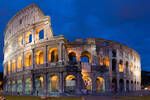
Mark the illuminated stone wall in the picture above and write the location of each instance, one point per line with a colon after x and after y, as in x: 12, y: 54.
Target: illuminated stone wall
x: 38, y: 63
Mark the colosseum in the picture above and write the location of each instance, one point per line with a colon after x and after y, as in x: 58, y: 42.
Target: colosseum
x: 40, y: 64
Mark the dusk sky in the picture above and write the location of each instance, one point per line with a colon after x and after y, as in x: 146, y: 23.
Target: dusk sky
x: 124, y: 21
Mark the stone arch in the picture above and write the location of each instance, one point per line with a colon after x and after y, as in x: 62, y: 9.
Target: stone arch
x: 72, y: 57
x: 28, y: 59
x: 114, y: 64
x: 54, y: 83
x: 127, y: 85
x: 121, y: 67
x: 39, y: 84
x: 53, y: 55
x: 87, y: 82
x: 70, y: 83
x: 85, y: 57
x: 114, y: 85
x: 100, y: 84
x: 127, y: 66
x: 121, y: 85
x: 39, y: 57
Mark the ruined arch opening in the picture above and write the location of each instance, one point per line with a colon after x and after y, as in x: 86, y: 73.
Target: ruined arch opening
x: 100, y: 84
x: 70, y: 83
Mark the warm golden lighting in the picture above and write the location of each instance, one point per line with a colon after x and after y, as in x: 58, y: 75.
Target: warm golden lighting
x: 9, y: 67
x: 39, y: 57
x: 27, y: 37
x: 70, y: 77
x: 53, y: 55
x: 19, y: 62
x: 20, y: 40
x: 106, y: 61
x: 13, y: 65
x: 121, y: 69
x: 28, y: 60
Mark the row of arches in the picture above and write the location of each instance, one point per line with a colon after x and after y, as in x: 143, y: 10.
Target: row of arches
x: 39, y: 59
x: 53, y: 82
x: 39, y: 34
x: 129, y: 85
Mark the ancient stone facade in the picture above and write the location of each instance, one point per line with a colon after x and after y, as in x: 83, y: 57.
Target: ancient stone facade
x: 38, y: 63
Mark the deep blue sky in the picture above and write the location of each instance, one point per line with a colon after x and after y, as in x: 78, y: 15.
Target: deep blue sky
x: 125, y: 21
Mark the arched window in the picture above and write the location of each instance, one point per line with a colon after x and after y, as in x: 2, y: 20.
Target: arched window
x: 114, y: 85
x: 87, y: 82
x: 100, y: 83
x: 54, y: 83
x: 28, y: 60
x: 72, y: 57
x: 13, y: 65
x: 127, y: 67
x: 28, y: 85
x: 28, y: 37
x: 53, y: 55
x: 20, y: 41
x: 19, y: 86
x: 19, y: 62
x: 39, y: 57
x: 9, y: 67
x: 41, y: 34
x: 121, y: 67
x: 13, y: 86
x: 114, y: 53
x: 85, y: 57
x: 39, y: 84
x: 114, y: 64
x: 106, y: 61
x: 121, y: 85
x: 70, y: 84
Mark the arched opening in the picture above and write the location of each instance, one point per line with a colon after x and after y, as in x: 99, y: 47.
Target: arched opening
x: 20, y: 41
x: 127, y: 67
x: 19, y: 62
x: 53, y: 55
x: 28, y: 86
x: 28, y: 37
x: 70, y: 83
x: 39, y: 57
x: 13, y: 65
x: 114, y: 53
x: 72, y: 57
x: 127, y: 85
x: 114, y: 63
x: 13, y: 86
x: 39, y: 84
x: 114, y: 85
x: 41, y: 34
x: 85, y: 57
x: 9, y: 67
x: 121, y: 85
x: 19, y: 86
x: 28, y: 60
x: 54, y: 83
x: 121, y: 67
x: 106, y: 61
x: 131, y: 85
x: 100, y: 84
x: 87, y: 83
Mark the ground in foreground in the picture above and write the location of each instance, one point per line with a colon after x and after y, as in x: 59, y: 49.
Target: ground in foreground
x: 80, y: 98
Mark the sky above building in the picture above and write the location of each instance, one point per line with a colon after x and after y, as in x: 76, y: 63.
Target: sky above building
x: 124, y: 21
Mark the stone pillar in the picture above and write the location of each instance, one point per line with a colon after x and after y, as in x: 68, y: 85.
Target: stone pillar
x: 45, y: 84
x: 45, y: 55
x: 33, y: 85
x: 33, y: 35
x: 33, y: 58
x: 61, y: 86
x: 125, y: 85
x: 93, y: 83
x: 60, y: 52
x: 78, y: 83
x: 23, y: 85
x: 23, y: 60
